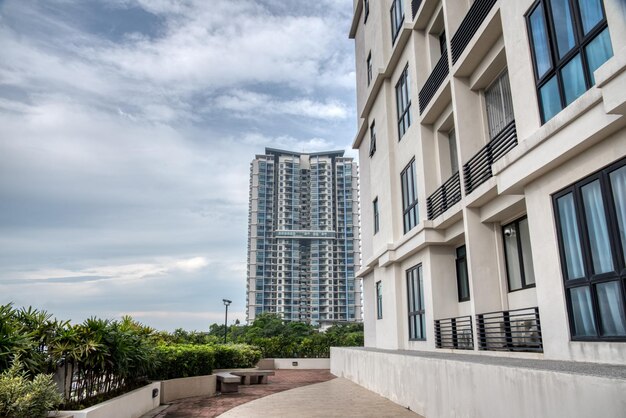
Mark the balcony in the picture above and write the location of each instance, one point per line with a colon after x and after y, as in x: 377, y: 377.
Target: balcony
x: 478, y: 169
x: 454, y: 333
x: 444, y: 197
x: 468, y: 27
x: 415, y: 6
x: 434, y: 81
x: 515, y: 330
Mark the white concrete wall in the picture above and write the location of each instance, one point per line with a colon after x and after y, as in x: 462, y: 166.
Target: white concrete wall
x: 187, y: 387
x: 130, y: 405
x: 437, y: 388
x: 302, y: 363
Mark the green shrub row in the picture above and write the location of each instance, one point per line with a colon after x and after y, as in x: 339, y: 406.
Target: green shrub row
x: 187, y: 360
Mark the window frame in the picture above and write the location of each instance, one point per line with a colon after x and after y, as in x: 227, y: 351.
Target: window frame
x: 520, y: 256
x: 396, y: 26
x: 369, y: 68
x: 590, y: 280
x: 373, y: 138
x: 366, y: 10
x: 457, y: 261
x: 379, y: 299
x: 581, y: 40
x: 376, y: 215
x: 418, y: 297
x: 408, y: 207
x: 404, y: 114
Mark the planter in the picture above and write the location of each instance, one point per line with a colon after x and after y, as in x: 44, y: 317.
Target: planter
x: 130, y: 405
x: 187, y: 387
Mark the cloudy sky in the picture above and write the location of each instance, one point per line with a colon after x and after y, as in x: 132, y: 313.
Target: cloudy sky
x: 126, y: 132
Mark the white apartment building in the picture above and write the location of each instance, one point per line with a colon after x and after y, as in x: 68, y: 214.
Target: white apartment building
x: 492, y: 157
x: 303, y: 237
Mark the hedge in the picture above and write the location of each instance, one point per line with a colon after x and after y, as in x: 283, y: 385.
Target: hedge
x: 187, y: 360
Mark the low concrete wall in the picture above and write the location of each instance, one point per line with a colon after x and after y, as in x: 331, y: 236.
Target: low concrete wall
x: 436, y: 388
x: 301, y: 363
x: 130, y: 405
x: 187, y: 387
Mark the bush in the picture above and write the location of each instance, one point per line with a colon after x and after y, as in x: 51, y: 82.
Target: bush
x: 235, y: 356
x: 21, y: 397
x: 183, y: 360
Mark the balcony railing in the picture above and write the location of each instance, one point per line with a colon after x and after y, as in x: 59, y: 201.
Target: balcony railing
x: 434, y: 80
x: 478, y: 169
x: 444, y: 197
x: 415, y: 6
x: 468, y: 27
x: 454, y: 333
x: 515, y: 330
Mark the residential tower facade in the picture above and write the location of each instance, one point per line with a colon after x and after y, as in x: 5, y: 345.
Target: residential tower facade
x: 303, y: 237
x: 493, y: 196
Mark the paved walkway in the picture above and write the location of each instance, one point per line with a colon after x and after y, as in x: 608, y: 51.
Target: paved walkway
x: 205, y: 407
x: 334, y: 398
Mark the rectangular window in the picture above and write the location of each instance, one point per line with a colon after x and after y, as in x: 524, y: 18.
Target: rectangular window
x: 415, y: 292
x: 379, y: 300
x: 366, y: 10
x: 369, y: 68
x: 409, y: 197
x: 462, y: 278
x: 518, y: 255
x: 590, y: 218
x: 442, y: 43
x: 569, y: 40
x: 372, y: 138
x: 403, y: 103
x: 454, y: 157
x: 499, y: 105
x: 397, y: 19
x: 376, y: 217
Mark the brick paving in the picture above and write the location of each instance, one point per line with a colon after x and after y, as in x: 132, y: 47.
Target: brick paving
x: 205, y: 407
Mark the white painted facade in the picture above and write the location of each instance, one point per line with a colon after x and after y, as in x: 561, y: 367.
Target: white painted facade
x: 584, y: 137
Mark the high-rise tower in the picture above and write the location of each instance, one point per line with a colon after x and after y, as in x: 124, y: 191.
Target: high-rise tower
x: 303, y: 237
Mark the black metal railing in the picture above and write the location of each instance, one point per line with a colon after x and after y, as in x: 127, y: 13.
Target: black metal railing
x: 436, y: 77
x: 515, y: 330
x: 454, y: 333
x: 444, y: 197
x: 415, y: 6
x: 478, y: 169
x: 468, y: 27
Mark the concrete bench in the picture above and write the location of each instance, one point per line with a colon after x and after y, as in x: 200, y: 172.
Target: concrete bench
x: 227, y: 382
x: 249, y: 377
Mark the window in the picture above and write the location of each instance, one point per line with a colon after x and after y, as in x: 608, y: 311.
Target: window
x: 591, y: 225
x: 403, y: 103
x: 415, y: 292
x: 409, y: 197
x: 366, y: 10
x: 454, y: 158
x: 369, y: 68
x: 442, y: 43
x: 372, y: 138
x: 569, y: 40
x: 397, y: 19
x: 379, y: 300
x: 519, y: 258
x: 462, y: 278
x: 499, y: 105
x: 375, y: 207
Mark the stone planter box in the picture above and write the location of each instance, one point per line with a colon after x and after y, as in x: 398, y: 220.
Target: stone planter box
x: 130, y: 405
x: 187, y: 387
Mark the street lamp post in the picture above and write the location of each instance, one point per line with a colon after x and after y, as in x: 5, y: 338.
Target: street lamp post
x: 226, y: 303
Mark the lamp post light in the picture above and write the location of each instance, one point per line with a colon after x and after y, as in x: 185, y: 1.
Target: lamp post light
x: 226, y: 303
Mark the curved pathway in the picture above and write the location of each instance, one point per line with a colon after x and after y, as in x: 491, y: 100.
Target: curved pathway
x: 334, y: 398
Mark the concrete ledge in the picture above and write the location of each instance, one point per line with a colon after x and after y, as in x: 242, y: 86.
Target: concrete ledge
x: 301, y: 363
x: 130, y: 405
x: 449, y: 385
x: 187, y: 387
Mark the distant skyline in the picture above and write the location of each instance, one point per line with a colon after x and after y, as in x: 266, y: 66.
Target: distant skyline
x: 126, y: 132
